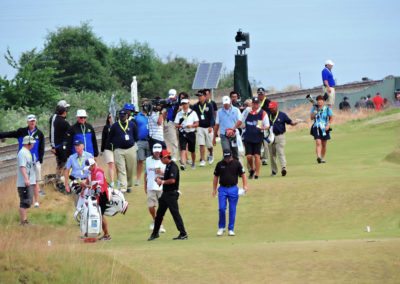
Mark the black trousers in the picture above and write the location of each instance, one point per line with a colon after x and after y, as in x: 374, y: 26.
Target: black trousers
x: 169, y: 200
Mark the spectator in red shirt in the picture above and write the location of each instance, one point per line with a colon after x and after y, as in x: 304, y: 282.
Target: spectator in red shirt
x: 378, y: 102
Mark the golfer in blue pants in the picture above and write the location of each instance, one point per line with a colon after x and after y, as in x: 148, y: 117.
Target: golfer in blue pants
x: 230, y: 194
x: 227, y: 172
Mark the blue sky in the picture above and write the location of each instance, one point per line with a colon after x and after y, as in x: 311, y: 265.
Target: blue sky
x: 286, y: 37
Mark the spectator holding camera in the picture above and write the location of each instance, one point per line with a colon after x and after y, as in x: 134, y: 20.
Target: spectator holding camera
x: 186, y: 122
x: 322, y: 116
x: 156, y: 128
x: 225, y: 125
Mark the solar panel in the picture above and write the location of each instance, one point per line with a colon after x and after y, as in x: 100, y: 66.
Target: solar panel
x: 207, y: 76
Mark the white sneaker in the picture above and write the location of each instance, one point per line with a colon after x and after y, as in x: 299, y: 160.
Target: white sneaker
x: 202, y: 163
x: 162, y: 229
x: 220, y: 232
x: 151, y: 227
x: 36, y: 205
x: 231, y: 233
x: 210, y: 159
x: 193, y: 166
x: 137, y: 183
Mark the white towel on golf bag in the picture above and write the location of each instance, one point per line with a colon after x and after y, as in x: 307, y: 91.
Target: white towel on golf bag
x: 269, y: 135
x: 239, y: 142
x: 117, y: 203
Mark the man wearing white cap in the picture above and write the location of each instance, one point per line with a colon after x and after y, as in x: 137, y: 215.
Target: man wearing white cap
x: 225, y: 122
x: 170, y: 133
x: 186, y: 122
x: 83, y: 131
x: 154, y: 168
x: 26, y: 178
x: 328, y: 83
x: 37, y: 150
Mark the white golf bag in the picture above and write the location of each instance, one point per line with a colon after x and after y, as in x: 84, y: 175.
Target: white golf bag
x: 91, y: 219
x: 117, y: 203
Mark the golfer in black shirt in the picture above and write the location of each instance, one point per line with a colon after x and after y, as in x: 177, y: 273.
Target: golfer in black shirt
x: 169, y: 198
x: 228, y: 171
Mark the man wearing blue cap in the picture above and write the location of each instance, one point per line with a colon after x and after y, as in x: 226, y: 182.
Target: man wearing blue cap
x: 75, y: 166
x: 130, y: 110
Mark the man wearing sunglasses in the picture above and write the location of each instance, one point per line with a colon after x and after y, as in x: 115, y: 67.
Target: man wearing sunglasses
x: 84, y: 132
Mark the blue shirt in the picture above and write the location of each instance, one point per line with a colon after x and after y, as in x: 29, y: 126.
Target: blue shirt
x: 279, y: 122
x: 227, y: 118
x: 142, y: 123
x: 328, y: 76
x: 322, y: 117
x: 77, y: 165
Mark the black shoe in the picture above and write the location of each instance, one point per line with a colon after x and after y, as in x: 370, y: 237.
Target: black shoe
x: 319, y: 160
x: 251, y: 175
x: 264, y: 163
x: 284, y: 172
x: 273, y: 174
x: 153, y: 237
x: 182, y: 167
x: 255, y: 177
x: 181, y: 237
x: 129, y: 190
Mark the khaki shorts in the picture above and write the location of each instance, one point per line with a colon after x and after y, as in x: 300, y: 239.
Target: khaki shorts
x: 331, y: 96
x: 108, y: 156
x: 152, y: 197
x: 203, y: 137
x: 38, y: 170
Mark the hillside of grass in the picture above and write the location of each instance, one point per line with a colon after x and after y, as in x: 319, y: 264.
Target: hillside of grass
x: 307, y: 227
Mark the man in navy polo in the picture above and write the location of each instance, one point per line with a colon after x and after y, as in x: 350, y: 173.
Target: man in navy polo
x: 123, y: 137
x: 328, y: 83
x: 278, y: 120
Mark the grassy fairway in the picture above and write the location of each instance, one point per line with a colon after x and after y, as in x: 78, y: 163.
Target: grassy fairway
x: 308, y: 227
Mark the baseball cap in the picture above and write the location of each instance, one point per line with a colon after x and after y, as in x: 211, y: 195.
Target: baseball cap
x: 255, y: 100
x: 227, y: 153
x: 31, y: 117
x: 122, y: 112
x: 172, y: 93
x: 28, y: 140
x: 200, y: 94
x: 273, y: 104
x: 88, y: 163
x: 78, y: 142
x: 157, y: 148
x: 165, y: 153
x: 129, y: 106
x: 226, y: 100
x: 184, y: 101
x: 63, y: 104
x: 329, y: 62
x: 261, y: 90
x: 81, y: 113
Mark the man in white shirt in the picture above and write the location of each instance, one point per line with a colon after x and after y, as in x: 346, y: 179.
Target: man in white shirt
x: 154, y: 168
x: 187, y: 121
